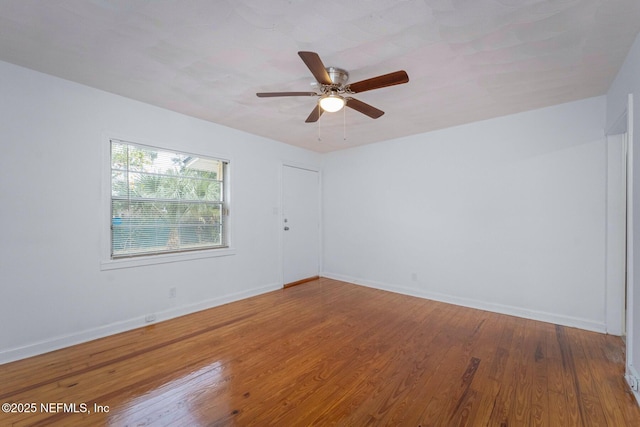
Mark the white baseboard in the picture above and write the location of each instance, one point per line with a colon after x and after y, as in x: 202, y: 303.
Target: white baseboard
x: 557, y: 319
x: 631, y: 372
x: 62, y: 341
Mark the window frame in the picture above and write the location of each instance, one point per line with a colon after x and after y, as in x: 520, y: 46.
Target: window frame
x: 108, y: 262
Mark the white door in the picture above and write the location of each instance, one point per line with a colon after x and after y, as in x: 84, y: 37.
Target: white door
x: 301, y: 224
x: 633, y: 284
x: 616, y: 237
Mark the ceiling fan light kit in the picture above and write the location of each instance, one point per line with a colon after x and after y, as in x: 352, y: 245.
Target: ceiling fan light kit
x: 333, y: 88
x: 332, y: 103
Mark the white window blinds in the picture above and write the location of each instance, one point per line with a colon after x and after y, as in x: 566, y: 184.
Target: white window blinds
x: 165, y: 201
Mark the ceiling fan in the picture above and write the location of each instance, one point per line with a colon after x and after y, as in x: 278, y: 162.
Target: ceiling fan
x: 334, y: 90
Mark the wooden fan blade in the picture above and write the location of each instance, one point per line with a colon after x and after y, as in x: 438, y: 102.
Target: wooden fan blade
x: 273, y: 94
x: 391, y: 79
x: 315, y: 65
x: 364, y: 108
x: 315, y: 114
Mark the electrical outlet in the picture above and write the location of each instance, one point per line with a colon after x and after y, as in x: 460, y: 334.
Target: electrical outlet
x: 633, y: 382
x: 150, y: 318
x: 414, y: 277
x: 172, y: 292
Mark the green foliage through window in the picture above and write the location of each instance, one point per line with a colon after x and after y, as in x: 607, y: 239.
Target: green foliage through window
x: 165, y: 201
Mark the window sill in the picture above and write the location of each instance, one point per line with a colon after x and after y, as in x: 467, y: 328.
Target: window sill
x: 114, y: 264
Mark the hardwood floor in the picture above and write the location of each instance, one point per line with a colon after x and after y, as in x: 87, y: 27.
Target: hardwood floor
x: 330, y: 353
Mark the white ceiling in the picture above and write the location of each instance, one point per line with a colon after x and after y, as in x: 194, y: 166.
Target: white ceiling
x: 467, y: 60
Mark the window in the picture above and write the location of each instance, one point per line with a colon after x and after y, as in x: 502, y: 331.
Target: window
x: 165, y: 202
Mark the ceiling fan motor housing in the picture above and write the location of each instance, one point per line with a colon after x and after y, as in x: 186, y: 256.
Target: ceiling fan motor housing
x: 338, y: 76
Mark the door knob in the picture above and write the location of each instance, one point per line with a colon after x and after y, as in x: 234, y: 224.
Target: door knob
x: 286, y: 229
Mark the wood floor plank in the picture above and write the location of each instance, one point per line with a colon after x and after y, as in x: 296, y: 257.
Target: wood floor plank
x: 524, y: 352
x: 502, y: 411
x: 331, y: 353
x: 403, y: 368
x: 599, y: 351
x: 462, y: 394
x: 539, y: 396
x: 420, y: 381
x: 491, y: 350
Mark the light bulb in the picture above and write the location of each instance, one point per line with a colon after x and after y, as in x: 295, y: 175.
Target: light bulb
x: 332, y: 103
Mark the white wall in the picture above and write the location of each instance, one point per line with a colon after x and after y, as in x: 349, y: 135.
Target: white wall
x: 628, y: 82
x: 506, y: 214
x: 52, y: 289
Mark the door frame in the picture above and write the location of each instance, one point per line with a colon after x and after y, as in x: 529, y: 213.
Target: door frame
x: 624, y: 124
x: 280, y: 213
x: 631, y: 370
x: 616, y: 234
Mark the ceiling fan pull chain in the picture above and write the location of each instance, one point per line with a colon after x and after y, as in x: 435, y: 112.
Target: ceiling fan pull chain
x: 319, y: 139
x: 344, y: 124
